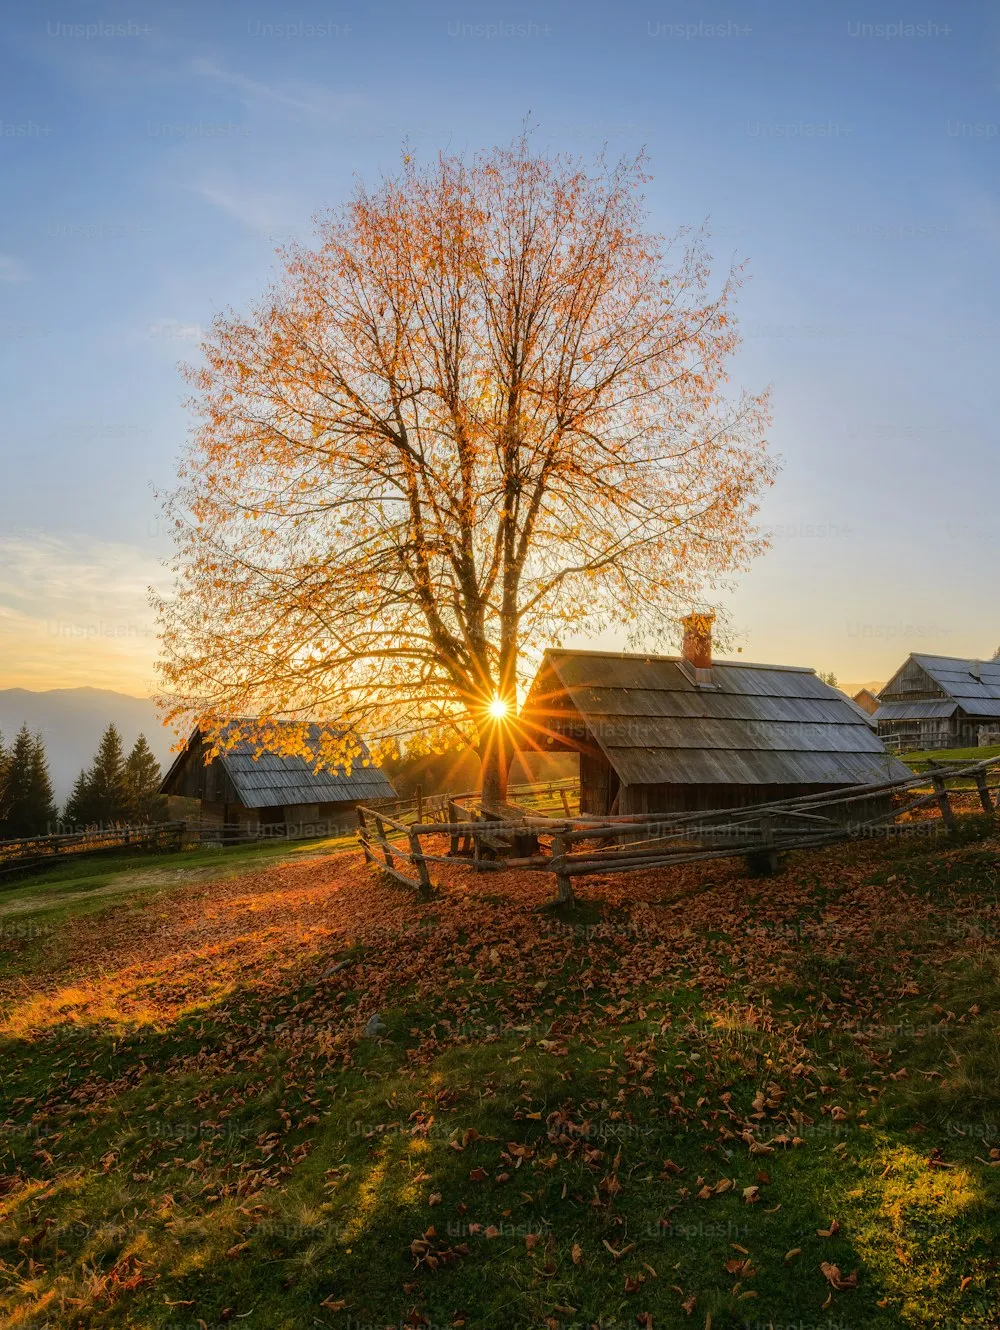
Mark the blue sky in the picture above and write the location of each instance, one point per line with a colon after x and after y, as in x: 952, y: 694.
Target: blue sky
x: 154, y: 155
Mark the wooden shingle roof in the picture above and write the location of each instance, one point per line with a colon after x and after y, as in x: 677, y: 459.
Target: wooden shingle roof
x: 757, y: 725
x: 972, y: 685
x: 264, y: 779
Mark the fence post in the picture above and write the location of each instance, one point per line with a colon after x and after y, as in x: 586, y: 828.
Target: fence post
x: 947, y: 812
x: 565, y: 802
x: 363, y: 835
x: 984, y: 792
x: 764, y: 862
x: 380, y: 830
x: 420, y: 863
x: 453, y: 817
x: 564, y: 884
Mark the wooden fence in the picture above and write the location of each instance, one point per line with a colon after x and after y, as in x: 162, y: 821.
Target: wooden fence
x: 518, y: 836
x: 33, y: 852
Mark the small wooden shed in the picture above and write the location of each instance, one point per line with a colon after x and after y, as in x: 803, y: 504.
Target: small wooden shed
x: 939, y: 702
x: 682, y: 733
x: 246, y: 788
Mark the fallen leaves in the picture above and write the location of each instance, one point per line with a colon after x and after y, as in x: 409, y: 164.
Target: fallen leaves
x: 427, y: 1251
x: 836, y: 1279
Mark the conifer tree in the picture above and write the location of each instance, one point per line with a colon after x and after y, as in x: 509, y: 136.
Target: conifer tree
x: 142, y: 782
x: 26, y: 799
x: 4, y: 757
x: 43, y: 804
x: 106, y: 781
x: 80, y: 803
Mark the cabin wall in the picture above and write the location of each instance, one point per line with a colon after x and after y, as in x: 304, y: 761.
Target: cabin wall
x: 195, y: 780
x: 910, y: 683
x: 308, y: 819
x: 599, y: 783
x: 958, y: 731
x: 705, y: 798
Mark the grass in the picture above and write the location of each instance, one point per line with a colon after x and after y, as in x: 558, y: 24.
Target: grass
x: 946, y: 755
x: 672, y: 1105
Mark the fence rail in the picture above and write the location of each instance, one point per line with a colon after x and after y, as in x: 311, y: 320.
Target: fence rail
x: 517, y: 836
x: 33, y: 852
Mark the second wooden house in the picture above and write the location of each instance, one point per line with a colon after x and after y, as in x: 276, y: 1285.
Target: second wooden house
x: 253, y: 791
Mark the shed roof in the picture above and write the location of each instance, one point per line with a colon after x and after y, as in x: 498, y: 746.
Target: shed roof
x: 759, y: 724
x: 929, y: 709
x: 973, y: 684
x: 269, y: 780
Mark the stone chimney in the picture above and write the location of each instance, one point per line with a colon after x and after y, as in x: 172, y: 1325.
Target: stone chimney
x: 696, y: 648
x: 697, y: 645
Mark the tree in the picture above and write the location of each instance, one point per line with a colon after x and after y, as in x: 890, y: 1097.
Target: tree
x: 26, y: 799
x: 79, y: 805
x: 486, y: 410
x: 828, y: 676
x: 105, y: 782
x: 142, y: 782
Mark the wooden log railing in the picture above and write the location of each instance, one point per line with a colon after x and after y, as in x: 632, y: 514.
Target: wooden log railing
x: 580, y: 846
x: 29, y: 853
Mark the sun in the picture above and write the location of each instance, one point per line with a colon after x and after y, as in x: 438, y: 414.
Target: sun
x: 497, y: 708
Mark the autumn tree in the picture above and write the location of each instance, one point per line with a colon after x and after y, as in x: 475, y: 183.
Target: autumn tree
x: 485, y: 410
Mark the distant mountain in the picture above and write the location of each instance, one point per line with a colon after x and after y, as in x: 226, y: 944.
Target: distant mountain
x: 72, y: 720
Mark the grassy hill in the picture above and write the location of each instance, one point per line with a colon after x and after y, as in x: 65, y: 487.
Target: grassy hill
x: 276, y: 1091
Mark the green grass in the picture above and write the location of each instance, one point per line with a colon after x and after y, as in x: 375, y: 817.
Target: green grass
x: 946, y: 755
x: 525, y: 1143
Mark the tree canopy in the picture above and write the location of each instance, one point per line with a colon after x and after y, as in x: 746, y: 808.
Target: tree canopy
x: 486, y: 410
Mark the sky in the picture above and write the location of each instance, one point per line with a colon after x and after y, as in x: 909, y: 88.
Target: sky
x: 153, y: 157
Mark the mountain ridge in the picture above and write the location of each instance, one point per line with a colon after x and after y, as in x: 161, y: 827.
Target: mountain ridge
x: 72, y: 720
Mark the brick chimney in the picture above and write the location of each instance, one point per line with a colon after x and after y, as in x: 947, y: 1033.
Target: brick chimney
x: 696, y: 648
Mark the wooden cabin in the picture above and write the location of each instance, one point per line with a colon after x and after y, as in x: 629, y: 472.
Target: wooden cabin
x: 256, y: 791
x: 939, y: 702
x: 682, y: 733
x: 866, y: 700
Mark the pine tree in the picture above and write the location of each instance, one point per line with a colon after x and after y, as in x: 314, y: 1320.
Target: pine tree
x: 26, y: 800
x: 106, y: 781
x: 4, y: 755
x: 79, y: 805
x: 43, y: 802
x: 142, y: 782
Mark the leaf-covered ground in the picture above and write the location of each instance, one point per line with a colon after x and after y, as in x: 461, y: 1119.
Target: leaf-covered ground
x: 697, y: 1099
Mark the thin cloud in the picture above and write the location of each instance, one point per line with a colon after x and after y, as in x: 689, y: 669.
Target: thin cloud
x: 174, y: 330
x: 13, y: 270
x: 306, y: 101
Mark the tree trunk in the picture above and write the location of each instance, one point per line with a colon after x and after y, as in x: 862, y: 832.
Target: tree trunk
x: 495, y: 757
